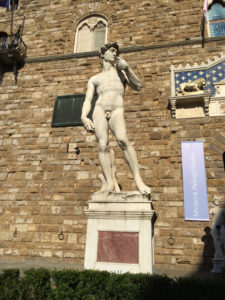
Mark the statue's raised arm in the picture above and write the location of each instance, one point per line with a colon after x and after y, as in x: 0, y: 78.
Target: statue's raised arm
x: 132, y: 80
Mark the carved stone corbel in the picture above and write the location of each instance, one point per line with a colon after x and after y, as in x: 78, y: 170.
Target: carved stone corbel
x: 206, y: 104
x: 173, y: 107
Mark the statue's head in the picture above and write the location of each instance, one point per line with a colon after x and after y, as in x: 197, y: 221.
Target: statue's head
x: 216, y: 201
x: 106, y: 47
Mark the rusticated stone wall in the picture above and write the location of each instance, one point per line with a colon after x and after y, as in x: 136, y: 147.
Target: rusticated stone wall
x: 42, y: 190
x: 50, y: 24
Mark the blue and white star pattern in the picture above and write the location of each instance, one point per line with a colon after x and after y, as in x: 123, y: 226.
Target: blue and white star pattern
x: 213, y: 74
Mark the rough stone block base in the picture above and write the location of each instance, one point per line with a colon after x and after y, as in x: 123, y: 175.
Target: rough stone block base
x: 119, y: 232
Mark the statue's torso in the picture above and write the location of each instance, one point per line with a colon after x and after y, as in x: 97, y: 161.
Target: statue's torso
x: 110, y: 87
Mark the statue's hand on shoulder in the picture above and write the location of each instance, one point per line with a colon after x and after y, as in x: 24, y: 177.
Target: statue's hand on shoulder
x: 121, y: 64
x: 88, y: 124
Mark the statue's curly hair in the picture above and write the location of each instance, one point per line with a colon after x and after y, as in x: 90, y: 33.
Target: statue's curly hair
x: 106, y: 47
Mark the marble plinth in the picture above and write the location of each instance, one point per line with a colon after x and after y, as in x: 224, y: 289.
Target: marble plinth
x: 119, y: 232
x: 218, y: 265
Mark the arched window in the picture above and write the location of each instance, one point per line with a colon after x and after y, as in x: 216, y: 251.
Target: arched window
x: 91, y: 33
x: 216, y: 15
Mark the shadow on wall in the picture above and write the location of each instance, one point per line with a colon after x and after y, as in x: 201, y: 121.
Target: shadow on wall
x: 213, y: 256
x: 208, y: 251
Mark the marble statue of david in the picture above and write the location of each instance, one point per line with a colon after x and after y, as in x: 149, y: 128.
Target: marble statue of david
x: 109, y: 114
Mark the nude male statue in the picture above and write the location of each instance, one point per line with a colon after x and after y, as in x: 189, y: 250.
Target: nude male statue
x: 109, y: 113
x: 218, y: 229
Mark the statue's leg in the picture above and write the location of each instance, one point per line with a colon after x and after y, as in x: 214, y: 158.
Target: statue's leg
x: 101, y: 132
x: 216, y: 239
x: 118, y: 127
x: 113, y: 167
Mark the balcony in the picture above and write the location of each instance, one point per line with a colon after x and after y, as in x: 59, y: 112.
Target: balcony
x: 12, y: 53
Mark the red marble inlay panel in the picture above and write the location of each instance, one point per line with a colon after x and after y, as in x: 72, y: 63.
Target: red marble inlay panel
x: 118, y: 247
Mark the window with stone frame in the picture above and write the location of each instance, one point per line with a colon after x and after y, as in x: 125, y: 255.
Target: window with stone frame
x: 91, y: 34
x: 16, y: 5
x: 216, y: 16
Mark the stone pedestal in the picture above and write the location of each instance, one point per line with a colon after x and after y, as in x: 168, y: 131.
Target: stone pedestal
x: 119, y: 232
x: 218, y: 265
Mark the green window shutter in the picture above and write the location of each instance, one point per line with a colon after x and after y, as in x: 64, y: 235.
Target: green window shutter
x: 67, y: 110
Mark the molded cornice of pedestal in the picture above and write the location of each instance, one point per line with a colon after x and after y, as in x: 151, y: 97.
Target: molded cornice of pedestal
x: 106, y: 196
x: 123, y: 205
x: 125, y: 215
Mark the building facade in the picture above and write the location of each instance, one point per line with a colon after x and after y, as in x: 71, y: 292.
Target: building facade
x: 49, y: 168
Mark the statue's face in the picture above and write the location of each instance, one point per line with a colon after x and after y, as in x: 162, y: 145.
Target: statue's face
x: 110, y: 55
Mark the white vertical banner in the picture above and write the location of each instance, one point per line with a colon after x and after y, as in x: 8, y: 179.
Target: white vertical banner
x: 194, y: 182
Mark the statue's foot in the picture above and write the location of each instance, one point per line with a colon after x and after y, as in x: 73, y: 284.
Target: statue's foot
x: 105, y: 186
x: 143, y: 188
